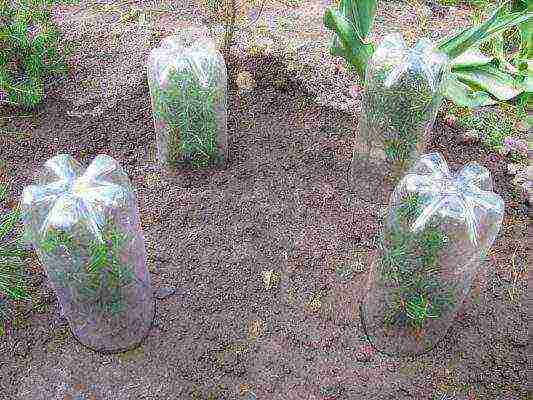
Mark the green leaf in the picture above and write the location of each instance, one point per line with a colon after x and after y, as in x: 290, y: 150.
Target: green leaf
x: 11, y: 282
x: 356, y: 51
x: 3, y: 192
x: 471, y: 58
x: 360, y: 13
x: 500, y: 84
x: 8, y: 224
x: 457, y: 44
x: 463, y: 95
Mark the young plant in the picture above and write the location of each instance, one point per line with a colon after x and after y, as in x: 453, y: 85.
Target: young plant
x: 29, y: 51
x: 84, y: 224
x: 187, y: 111
x: 397, y: 115
x: 188, y: 83
x: 399, y: 106
x: 438, y: 229
x: 410, y: 262
x: 475, y: 79
x: 98, y: 275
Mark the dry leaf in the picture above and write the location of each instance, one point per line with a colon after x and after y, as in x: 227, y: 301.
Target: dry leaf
x: 270, y: 278
x: 291, y: 295
x: 257, y: 329
x: 245, y: 81
x: 244, y: 388
x: 316, y: 303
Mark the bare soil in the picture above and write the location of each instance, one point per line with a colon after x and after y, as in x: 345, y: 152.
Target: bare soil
x: 282, y: 203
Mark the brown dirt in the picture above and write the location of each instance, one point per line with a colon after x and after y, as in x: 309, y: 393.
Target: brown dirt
x: 281, y: 203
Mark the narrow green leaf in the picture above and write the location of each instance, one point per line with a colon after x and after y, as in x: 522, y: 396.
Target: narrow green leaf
x: 464, y: 96
x: 360, y: 13
x: 500, y: 84
x: 471, y: 58
x: 356, y: 51
x: 501, y: 20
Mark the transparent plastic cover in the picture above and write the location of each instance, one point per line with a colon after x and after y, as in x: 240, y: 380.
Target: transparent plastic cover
x: 438, y: 231
x: 84, y: 225
x: 400, y: 101
x: 188, y: 90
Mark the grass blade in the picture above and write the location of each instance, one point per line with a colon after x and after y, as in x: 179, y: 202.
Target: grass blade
x: 471, y: 58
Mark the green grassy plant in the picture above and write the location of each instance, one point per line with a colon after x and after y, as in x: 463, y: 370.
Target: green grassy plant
x: 409, y: 261
x: 97, y: 275
x: 12, y: 257
x: 29, y: 51
x: 186, y: 109
x: 397, y: 115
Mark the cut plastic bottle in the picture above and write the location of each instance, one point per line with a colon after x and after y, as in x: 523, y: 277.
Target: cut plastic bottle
x: 84, y: 225
x: 188, y: 88
x: 436, y: 235
x: 401, y: 97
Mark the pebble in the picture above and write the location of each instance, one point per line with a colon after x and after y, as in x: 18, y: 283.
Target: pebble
x: 366, y: 354
x: 22, y: 348
x: 164, y: 292
x: 471, y: 136
x: 512, y: 169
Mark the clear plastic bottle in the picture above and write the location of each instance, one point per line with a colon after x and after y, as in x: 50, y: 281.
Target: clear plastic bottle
x: 84, y: 225
x: 439, y: 228
x: 401, y: 97
x: 188, y: 89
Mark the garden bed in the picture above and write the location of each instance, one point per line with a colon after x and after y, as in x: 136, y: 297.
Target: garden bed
x: 281, y: 208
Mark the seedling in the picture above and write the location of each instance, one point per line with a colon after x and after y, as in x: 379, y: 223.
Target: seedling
x: 438, y: 229
x: 187, y: 79
x: 186, y: 110
x: 98, y: 276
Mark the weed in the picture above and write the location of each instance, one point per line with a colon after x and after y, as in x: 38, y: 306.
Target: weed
x: 12, y: 258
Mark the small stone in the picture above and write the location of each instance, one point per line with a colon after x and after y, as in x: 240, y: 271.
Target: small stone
x: 451, y: 120
x: 245, y: 81
x: 22, y: 348
x: 271, y: 278
x: 512, y: 169
x: 503, y: 151
x: 164, y: 292
x: 425, y: 12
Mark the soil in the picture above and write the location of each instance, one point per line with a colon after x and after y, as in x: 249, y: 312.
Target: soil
x: 282, y: 203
